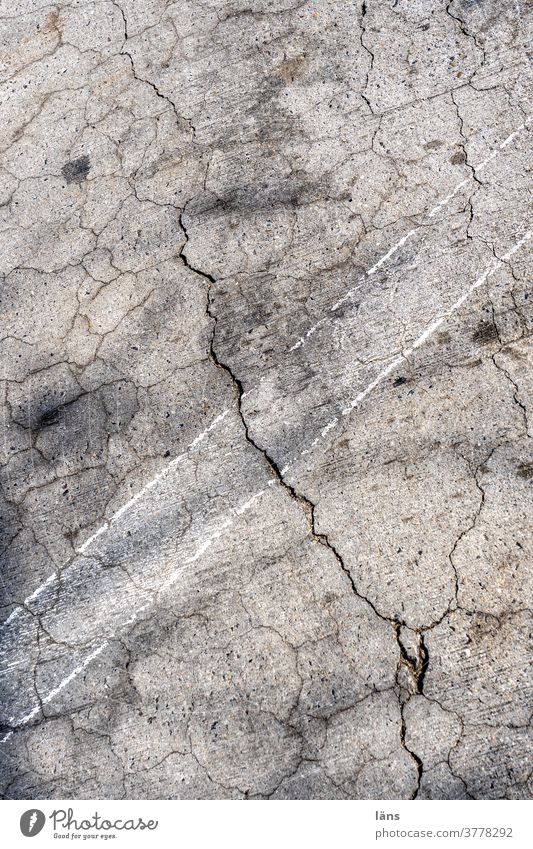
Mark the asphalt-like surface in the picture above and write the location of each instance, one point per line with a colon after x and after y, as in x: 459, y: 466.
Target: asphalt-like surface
x: 265, y: 325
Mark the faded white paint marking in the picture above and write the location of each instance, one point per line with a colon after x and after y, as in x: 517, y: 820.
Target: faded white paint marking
x: 119, y: 513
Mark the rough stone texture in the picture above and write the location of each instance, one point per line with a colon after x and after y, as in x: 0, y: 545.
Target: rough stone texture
x: 265, y: 333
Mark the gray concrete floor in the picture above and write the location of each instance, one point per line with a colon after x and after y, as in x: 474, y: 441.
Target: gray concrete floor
x: 266, y: 384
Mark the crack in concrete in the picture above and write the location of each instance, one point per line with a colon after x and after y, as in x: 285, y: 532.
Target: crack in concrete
x: 470, y: 35
x: 418, y: 668
x: 152, y: 85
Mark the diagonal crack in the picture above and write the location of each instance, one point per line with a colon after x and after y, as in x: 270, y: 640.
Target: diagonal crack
x: 468, y: 34
x: 367, y: 49
x: 152, y: 85
x: 305, y: 503
x: 516, y: 391
x: 416, y: 667
x: 414, y: 756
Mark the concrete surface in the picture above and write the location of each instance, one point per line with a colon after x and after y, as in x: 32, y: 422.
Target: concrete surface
x: 266, y: 384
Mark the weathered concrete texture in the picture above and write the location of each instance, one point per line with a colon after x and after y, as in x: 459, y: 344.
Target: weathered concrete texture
x: 265, y: 330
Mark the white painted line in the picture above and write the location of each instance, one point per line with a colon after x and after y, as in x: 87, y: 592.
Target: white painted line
x: 207, y: 543
x: 227, y: 523
x: 153, y: 482
x: 383, y: 259
x: 247, y: 505
x: 428, y: 333
x: 9, y: 667
x: 392, y: 251
x: 53, y: 693
x: 445, y: 201
x: 328, y: 427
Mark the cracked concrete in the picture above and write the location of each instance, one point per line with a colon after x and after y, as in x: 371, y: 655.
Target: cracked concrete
x: 266, y: 386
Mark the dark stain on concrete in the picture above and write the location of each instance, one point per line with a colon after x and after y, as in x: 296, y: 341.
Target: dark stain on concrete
x: 77, y: 170
x: 485, y: 333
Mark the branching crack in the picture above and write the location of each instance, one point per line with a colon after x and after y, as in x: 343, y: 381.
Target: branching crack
x: 152, y: 85
x: 516, y: 390
x: 470, y: 35
x: 416, y: 666
x: 307, y: 506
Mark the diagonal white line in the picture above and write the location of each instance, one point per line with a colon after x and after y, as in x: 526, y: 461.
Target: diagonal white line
x: 401, y: 242
x: 120, y: 512
x: 421, y: 340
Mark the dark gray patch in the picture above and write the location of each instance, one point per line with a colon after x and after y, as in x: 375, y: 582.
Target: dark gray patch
x: 49, y: 417
x: 270, y: 192
x: 76, y: 170
x: 289, y: 69
x: 458, y: 158
x: 525, y: 470
x: 52, y: 413
x: 482, y: 624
